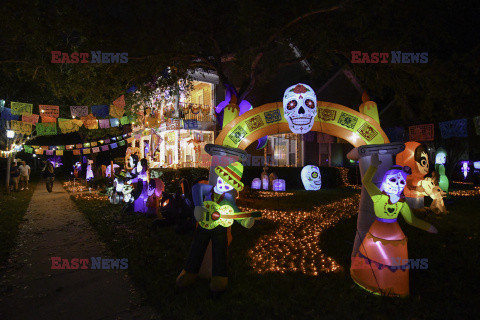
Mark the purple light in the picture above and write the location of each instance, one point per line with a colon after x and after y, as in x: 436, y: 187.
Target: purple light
x: 465, y: 169
x: 256, y: 184
x: 278, y: 185
x: 56, y: 161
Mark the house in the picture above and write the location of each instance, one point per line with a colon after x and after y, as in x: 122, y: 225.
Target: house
x: 175, y: 129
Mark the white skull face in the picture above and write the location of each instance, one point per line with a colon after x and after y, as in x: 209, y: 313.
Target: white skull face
x: 394, y: 183
x: 300, y: 108
x: 311, y: 178
x: 222, y: 186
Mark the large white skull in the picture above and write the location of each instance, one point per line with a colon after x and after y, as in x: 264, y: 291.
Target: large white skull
x: 311, y: 178
x: 393, y: 183
x: 300, y: 107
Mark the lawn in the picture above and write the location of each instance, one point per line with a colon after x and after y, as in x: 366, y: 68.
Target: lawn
x: 156, y: 256
x: 12, y: 209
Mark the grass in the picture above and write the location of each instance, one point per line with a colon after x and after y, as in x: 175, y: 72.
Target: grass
x: 12, y: 209
x: 156, y: 256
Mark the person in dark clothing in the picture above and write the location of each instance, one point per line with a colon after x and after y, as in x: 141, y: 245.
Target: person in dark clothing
x: 49, y: 175
x: 14, y: 175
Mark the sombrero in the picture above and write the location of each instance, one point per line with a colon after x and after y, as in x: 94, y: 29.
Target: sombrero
x: 231, y: 174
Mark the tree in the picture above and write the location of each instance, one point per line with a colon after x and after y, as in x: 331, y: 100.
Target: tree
x: 247, y: 43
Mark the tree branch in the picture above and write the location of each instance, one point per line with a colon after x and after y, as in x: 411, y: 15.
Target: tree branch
x: 259, y: 56
x: 14, y: 61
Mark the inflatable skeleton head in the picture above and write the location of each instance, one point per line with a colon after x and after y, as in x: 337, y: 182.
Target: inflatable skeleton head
x: 394, y: 181
x: 311, y: 178
x: 300, y: 107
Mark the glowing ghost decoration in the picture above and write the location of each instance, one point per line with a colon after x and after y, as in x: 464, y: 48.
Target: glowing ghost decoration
x: 440, y: 160
x: 465, y: 169
x: 311, y: 178
x: 278, y: 185
x: 89, y: 175
x: 441, y: 157
x: 265, y: 182
x: 300, y: 108
x: 256, y: 184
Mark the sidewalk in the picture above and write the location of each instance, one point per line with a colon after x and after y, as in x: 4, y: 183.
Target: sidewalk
x: 30, y: 289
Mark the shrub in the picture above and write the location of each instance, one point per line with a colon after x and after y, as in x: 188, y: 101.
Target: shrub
x: 171, y: 177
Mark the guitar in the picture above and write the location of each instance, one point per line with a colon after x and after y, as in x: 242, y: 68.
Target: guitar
x: 223, y: 215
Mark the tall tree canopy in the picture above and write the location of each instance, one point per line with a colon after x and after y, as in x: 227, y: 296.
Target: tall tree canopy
x: 246, y: 42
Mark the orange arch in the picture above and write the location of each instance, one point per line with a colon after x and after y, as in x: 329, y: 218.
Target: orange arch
x: 333, y: 119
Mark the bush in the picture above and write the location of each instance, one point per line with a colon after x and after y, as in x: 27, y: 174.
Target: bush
x: 99, y: 182
x: 171, y: 177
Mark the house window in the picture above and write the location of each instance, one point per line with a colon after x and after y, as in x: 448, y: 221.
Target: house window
x: 282, y: 150
x: 200, y: 97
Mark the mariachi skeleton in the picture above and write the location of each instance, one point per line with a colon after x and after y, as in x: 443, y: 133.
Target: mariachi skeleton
x: 215, y: 210
x: 300, y: 108
x: 311, y: 178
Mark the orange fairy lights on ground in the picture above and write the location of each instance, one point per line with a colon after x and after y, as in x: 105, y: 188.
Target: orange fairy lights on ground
x: 344, y: 176
x: 465, y: 193
x: 90, y: 196
x: 294, y: 245
x: 274, y: 194
x: 74, y: 186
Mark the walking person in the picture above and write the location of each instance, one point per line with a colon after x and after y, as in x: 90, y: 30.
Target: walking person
x: 24, y: 175
x: 49, y: 175
x: 14, y: 175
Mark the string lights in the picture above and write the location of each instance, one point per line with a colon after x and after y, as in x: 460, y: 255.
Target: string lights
x: 465, y: 193
x: 74, y: 186
x: 273, y: 194
x: 344, y: 177
x: 91, y: 196
x: 294, y: 245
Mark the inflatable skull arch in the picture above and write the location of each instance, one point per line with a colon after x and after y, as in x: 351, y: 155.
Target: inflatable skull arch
x: 311, y: 178
x: 300, y: 108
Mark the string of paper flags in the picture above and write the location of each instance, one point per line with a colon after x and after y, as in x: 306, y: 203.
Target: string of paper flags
x: 426, y: 132
x: 81, y: 148
x: 22, y: 119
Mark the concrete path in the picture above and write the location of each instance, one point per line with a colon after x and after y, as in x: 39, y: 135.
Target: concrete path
x: 30, y: 289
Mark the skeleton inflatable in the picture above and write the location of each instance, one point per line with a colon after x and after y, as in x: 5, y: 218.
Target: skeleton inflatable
x: 311, y: 178
x: 300, y: 108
